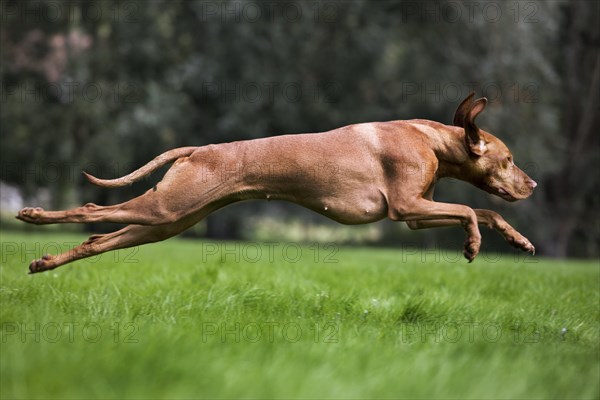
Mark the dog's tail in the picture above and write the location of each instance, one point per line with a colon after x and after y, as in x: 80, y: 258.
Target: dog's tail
x: 164, y: 158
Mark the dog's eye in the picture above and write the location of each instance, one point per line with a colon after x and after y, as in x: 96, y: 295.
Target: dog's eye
x: 509, y: 159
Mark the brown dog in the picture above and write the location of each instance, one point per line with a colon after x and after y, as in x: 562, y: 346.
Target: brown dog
x: 354, y: 175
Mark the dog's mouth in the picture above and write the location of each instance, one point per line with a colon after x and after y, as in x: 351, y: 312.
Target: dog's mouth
x: 501, y: 192
x: 505, y: 195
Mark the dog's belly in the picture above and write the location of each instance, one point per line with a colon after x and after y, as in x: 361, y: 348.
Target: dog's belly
x: 360, y: 212
x: 358, y: 207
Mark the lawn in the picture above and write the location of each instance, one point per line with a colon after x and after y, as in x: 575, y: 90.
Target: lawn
x: 191, y: 319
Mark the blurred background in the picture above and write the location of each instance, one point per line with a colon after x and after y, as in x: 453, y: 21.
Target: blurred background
x: 105, y: 86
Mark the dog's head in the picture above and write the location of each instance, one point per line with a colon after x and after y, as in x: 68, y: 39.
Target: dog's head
x: 491, y: 165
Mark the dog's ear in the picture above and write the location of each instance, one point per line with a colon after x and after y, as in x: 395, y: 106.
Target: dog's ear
x: 462, y: 110
x: 475, y: 143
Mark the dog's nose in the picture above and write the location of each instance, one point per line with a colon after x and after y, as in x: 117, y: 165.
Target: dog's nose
x: 532, y: 183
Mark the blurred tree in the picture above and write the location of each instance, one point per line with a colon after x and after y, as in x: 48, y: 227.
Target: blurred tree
x: 572, y: 201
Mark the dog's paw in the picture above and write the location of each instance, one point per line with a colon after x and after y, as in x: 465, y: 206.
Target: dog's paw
x: 30, y: 214
x: 41, y: 265
x: 471, y: 248
x: 520, y: 242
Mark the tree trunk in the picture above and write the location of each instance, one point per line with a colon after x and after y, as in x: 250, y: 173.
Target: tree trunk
x: 573, y: 188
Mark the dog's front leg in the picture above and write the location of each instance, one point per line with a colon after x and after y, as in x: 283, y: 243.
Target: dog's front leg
x: 424, y: 211
x: 489, y: 218
x: 495, y: 221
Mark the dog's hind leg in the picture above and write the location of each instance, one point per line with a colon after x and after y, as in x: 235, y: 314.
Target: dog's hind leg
x: 130, y: 236
x: 143, y: 210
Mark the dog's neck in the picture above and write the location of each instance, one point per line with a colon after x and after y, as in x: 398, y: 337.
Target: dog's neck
x: 452, y: 154
x: 448, y: 144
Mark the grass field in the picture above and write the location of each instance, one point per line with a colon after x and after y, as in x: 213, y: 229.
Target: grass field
x: 186, y: 319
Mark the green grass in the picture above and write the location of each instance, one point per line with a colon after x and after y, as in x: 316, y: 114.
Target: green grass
x: 175, y: 320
